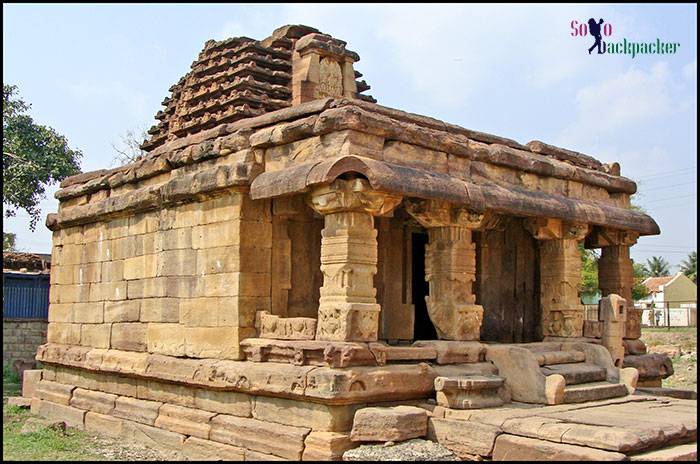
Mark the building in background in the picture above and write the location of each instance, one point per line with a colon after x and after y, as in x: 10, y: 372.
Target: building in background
x: 672, y: 301
x: 25, y: 304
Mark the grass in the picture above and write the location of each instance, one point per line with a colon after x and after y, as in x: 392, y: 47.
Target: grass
x: 10, y: 382
x: 44, y: 444
x: 685, y: 366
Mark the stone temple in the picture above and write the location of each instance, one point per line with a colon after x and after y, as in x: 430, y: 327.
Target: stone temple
x: 294, y: 270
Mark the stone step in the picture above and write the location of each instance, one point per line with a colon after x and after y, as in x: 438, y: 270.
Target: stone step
x: 593, y: 392
x: 576, y: 373
x: 560, y: 357
x: 684, y: 452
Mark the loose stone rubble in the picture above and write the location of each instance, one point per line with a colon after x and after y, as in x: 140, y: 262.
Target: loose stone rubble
x: 293, y: 270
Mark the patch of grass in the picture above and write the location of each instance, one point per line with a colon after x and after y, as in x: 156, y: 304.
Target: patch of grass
x: 43, y: 445
x: 10, y: 382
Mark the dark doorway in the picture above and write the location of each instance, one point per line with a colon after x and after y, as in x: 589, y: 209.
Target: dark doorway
x: 423, y: 328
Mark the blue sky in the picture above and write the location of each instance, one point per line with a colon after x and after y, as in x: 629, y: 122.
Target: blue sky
x: 93, y: 72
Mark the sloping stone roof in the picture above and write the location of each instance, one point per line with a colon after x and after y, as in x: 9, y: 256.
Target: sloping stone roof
x: 230, y: 80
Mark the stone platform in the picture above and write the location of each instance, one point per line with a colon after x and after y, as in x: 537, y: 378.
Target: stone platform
x: 631, y: 427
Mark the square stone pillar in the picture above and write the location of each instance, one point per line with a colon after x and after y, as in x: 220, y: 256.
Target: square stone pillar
x: 450, y: 266
x: 616, y: 272
x: 348, y: 309
x: 560, y: 276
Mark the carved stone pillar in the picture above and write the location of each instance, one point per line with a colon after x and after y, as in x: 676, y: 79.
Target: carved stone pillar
x: 615, y: 271
x: 450, y: 266
x: 560, y: 275
x: 348, y: 309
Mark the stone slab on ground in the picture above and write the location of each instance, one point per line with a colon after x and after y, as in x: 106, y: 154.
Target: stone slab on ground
x: 396, y: 423
x: 19, y: 401
x: 670, y: 392
x: 410, y: 450
x: 687, y: 452
x: 515, y: 448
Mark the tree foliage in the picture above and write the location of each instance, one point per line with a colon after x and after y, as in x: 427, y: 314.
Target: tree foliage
x: 639, y: 290
x: 589, y: 273
x: 8, y: 241
x: 657, y: 266
x: 689, y: 266
x: 33, y: 157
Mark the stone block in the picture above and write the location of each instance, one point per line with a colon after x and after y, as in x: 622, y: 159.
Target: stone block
x: 181, y: 395
x: 95, y: 401
x: 61, y: 312
x: 142, y: 411
x: 215, y: 342
x: 188, y: 421
x: 113, y: 271
x: 71, y: 416
x: 304, y: 414
x: 279, y: 440
x: 687, y: 452
x: 122, y: 311
x: 464, y: 438
x: 196, y: 449
x: 514, y: 448
x: 176, y: 262
x: 326, y: 446
x: 196, y: 312
x: 104, y: 424
x: 30, y: 380
x: 55, y: 392
x: 452, y: 352
x: 88, y: 313
x: 286, y: 328
x: 176, y: 239
x: 19, y: 402
x: 112, y: 291
x: 95, y: 335
x: 468, y: 392
x: 167, y: 339
x: 225, y: 402
x: 234, y: 284
x: 129, y: 336
x: 160, y: 310
x: 152, y: 437
x: 86, y: 273
x: 397, y: 423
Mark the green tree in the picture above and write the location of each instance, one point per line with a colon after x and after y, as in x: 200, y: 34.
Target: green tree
x: 657, y: 266
x: 589, y: 273
x: 689, y: 266
x: 33, y: 157
x: 639, y: 290
x: 8, y: 241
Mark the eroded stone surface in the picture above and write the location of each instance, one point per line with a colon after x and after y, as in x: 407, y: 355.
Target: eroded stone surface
x: 397, y: 423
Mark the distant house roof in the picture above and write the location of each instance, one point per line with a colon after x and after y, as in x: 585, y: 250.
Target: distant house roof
x: 654, y: 283
x: 25, y: 262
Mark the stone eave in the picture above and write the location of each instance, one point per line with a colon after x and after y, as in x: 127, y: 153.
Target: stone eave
x: 323, y: 116
x: 479, y: 194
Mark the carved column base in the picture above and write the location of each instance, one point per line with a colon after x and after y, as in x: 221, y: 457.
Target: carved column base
x: 563, y: 323
x: 455, y: 321
x: 358, y: 322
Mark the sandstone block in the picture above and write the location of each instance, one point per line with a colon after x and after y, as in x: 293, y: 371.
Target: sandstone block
x: 113, y: 271
x: 280, y: 440
x: 465, y: 439
x: 514, y: 448
x: 389, y: 424
x: 167, y: 339
x: 95, y: 335
x: 55, y: 392
x: 88, y: 313
x: 234, y: 284
x: 30, y: 381
x: 304, y: 414
x: 104, y: 424
x: 129, y: 336
x: 152, y: 437
x: 196, y: 449
x: 71, y: 416
x: 452, y: 352
x: 122, y: 311
x: 182, y: 395
x: 215, y: 342
x: 61, y: 312
x: 132, y: 409
x: 104, y: 291
x: 19, y: 402
x: 183, y: 420
x: 176, y: 262
x: 326, y: 446
x: 256, y: 456
x: 225, y: 402
x: 95, y: 401
x: 160, y: 310
x: 286, y: 328
x: 687, y: 452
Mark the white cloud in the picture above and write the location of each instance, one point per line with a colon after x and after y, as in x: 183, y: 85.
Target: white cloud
x: 690, y: 70
x: 622, y: 101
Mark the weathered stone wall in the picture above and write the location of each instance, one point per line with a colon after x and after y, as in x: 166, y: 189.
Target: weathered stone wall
x: 182, y: 281
x: 20, y: 339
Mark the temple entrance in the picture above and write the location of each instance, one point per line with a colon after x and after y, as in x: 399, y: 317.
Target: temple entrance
x: 423, y: 328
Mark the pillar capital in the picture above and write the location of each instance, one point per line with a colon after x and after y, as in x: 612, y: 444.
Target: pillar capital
x: 352, y: 195
x: 602, y: 237
x: 436, y: 213
x: 555, y: 229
